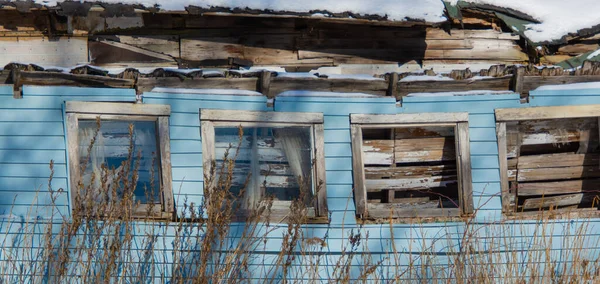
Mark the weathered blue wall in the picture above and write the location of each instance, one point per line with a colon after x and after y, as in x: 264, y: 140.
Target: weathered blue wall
x: 32, y: 133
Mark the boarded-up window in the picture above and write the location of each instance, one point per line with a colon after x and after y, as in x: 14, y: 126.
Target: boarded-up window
x: 411, y: 169
x: 549, y: 163
x: 119, y: 147
x: 267, y: 155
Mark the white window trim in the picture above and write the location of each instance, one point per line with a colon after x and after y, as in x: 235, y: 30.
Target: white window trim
x: 124, y: 111
x: 457, y: 120
x: 505, y: 115
x: 210, y: 119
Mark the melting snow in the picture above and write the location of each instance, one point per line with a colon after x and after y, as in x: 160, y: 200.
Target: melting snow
x: 576, y: 86
x: 324, y: 94
x: 465, y: 93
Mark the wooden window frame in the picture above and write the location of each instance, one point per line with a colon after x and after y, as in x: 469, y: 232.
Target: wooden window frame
x: 459, y: 121
x: 210, y: 119
x: 125, y: 112
x: 504, y: 115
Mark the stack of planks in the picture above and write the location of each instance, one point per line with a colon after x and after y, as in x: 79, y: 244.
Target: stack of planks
x: 553, y: 164
x: 410, y: 168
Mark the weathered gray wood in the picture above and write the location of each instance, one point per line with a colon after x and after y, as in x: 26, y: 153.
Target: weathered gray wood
x: 464, y: 161
x: 360, y: 190
x: 409, y: 171
x: 265, y: 83
x: 138, y: 50
x: 505, y: 193
x: 165, y: 162
x: 405, y: 118
x: 554, y: 201
x: 378, y: 152
x: 321, y: 182
x: 147, y: 84
x: 551, y: 112
x: 558, y: 187
x: 207, y: 132
x: 558, y: 160
x: 73, y: 156
x: 496, y: 84
x: 425, y: 156
x: 413, y: 213
x: 62, y: 79
x: 533, y: 82
x: 118, y: 108
x: 261, y: 116
x: 409, y: 183
x: 393, y: 85
x: 517, y: 80
x: 540, y: 174
x: 372, y: 87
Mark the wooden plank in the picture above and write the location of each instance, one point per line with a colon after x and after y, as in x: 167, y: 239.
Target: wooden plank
x: 73, y: 156
x: 265, y: 83
x: 360, y: 190
x: 425, y: 144
x: 409, y: 171
x: 502, y: 156
x: 464, y: 161
x: 63, y: 79
x: 410, y: 183
x: 165, y: 162
x: 425, y: 156
x: 136, y: 49
x: 551, y: 112
x: 58, y: 51
x: 118, y: 108
x: 429, y: 131
x: 437, y: 33
x: 373, y: 87
x: 558, y: 160
x: 554, y: 201
x: 165, y: 44
x: 405, y: 118
x: 496, y: 84
x: 147, y: 84
x: 414, y: 213
x: 208, y: 154
x: 558, y: 187
x: 378, y: 152
x: 393, y: 85
x: 533, y: 82
x: 558, y: 173
x: 261, y: 116
x: 320, y: 170
x: 517, y: 80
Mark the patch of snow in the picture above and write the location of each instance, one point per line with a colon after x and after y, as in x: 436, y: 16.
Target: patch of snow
x: 182, y: 71
x: 301, y: 93
x: 320, y: 15
x: 399, y: 10
x: 206, y: 91
x: 514, y: 28
x: 351, y: 76
x: 213, y: 73
x: 594, y: 54
x: 576, y: 86
x: 475, y: 78
x: 296, y: 75
x: 558, y: 17
x: 465, y: 93
x: 266, y: 68
x: 414, y: 78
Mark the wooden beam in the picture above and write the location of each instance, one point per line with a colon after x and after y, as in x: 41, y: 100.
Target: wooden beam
x: 261, y: 116
x: 533, y: 82
x: 558, y: 187
x: 118, y: 108
x: 502, y: 155
x: 405, y: 118
x: 360, y: 190
x: 62, y: 79
x: 147, y: 84
x: 393, y: 85
x: 265, y: 83
x: 555, y: 201
x: 517, y: 80
x: 552, y: 112
x: 138, y: 50
x: 495, y: 84
x: 372, y: 87
x: 464, y: 161
x: 413, y: 213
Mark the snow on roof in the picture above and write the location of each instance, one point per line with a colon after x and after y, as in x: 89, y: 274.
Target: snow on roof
x: 414, y: 78
x: 558, y: 17
x: 465, y: 93
x: 398, y: 10
x: 576, y: 86
x: 302, y: 93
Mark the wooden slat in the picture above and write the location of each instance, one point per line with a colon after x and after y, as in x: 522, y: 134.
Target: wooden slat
x: 319, y: 140
x: 118, y: 108
x: 551, y: 112
x: 63, y: 79
x: 378, y: 152
x: 496, y: 84
x: 425, y: 156
x: 373, y: 87
x: 464, y: 161
x: 533, y: 82
x: 502, y: 156
x: 558, y: 160
x: 165, y: 162
x: 425, y: 144
x: 558, y: 187
x: 414, y: 213
x: 405, y: 118
x: 207, y: 129
x: 261, y: 116
x: 147, y: 84
x: 430, y: 131
x: 555, y: 201
x: 73, y: 156
x: 409, y: 183
x: 410, y: 171
x: 558, y: 173
x: 360, y: 190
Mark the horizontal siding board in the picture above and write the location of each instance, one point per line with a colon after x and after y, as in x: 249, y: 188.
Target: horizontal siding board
x: 339, y: 177
x: 30, y: 184
x: 482, y: 120
x: 566, y: 93
x: 186, y: 160
x: 185, y: 146
x: 76, y: 91
x: 32, y: 156
x: 484, y: 148
x: 184, y: 132
x: 484, y: 162
x: 31, y: 198
x: 323, y: 99
x: 563, y: 101
x: 336, y: 122
x: 336, y: 108
x: 334, y: 149
x: 32, y: 142
x: 6, y: 90
x: 31, y: 128
x: 486, y: 188
x: 29, y: 115
x: 485, y: 175
x: 202, y: 97
x: 187, y: 187
x: 184, y: 119
x: 35, y: 102
x: 338, y: 164
x: 473, y: 107
x: 482, y: 134
x: 187, y: 174
x: 337, y: 136
x: 340, y: 191
x: 193, y: 107
x: 32, y: 170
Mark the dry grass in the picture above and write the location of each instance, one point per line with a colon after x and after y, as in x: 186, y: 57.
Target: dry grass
x: 105, y: 241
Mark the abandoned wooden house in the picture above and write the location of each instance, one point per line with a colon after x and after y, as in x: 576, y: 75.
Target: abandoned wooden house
x: 411, y: 121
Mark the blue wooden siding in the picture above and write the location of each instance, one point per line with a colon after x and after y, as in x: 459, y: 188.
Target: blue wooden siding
x: 32, y: 133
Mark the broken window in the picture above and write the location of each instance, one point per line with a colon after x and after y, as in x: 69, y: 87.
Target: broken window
x: 411, y: 165
x: 550, y: 163
x: 119, y: 150
x: 260, y: 155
